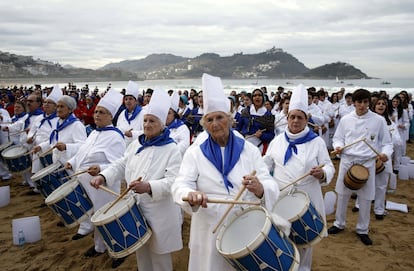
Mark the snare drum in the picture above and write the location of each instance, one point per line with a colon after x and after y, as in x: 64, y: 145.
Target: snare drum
x: 251, y: 242
x: 46, y: 160
x: 17, y: 158
x: 307, y: 224
x: 48, y: 180
x: 71, y: 203
x: 356, y: 177
x: 3, y: 147
x: 379, y: 166
x: 123, y: 228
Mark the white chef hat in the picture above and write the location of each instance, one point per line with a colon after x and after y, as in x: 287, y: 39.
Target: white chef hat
x: 111, y: 101
x: 299, y: 99
x: 132, y: 89
x: 175, y: 99
x: 159, y: 104
x: 213, y: 95
x: 55, y: 94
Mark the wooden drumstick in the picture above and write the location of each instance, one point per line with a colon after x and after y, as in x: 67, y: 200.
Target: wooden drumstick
x: 300, y: 178
x: 104, y: 188
x: 372, y: 148
x: 120, y: 197
x: 43, y: 154
x: 232, y: 205
x: 349, y: 145
x: 228, y: 201
x: 17, y: 133
x: 75, y: 174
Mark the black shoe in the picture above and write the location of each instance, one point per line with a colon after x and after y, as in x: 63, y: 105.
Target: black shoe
x: 33, y: 193
x: 365, y: 239
x: 396, y: 171
x: 379, y: 217
x: 355, y: 209
x: 117, y: 262
x: 92, y: 252
x: 78, y: 236
x: 334, y: 230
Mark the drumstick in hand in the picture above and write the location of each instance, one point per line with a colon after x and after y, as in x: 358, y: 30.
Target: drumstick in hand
x: 349, y: 145
x: 104, y: 188
x: 228, y: 201
x: 120, y: 197
x: 232, y: 205
x: 75, y: 174
x: 300, y: 178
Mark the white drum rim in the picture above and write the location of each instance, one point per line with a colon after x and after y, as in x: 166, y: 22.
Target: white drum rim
x: 46, y: 171
x: 254, y: 243
x: 76, y: 221
x: 3, y: 153
x: 59, y: 193
x: 5, y: 145
x: 300, y: 214
x: 97, y: 221
x: 131, y: 249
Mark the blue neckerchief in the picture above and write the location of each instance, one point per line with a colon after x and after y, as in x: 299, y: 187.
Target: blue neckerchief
x: 45, y: 118
x: 35, y: 113
x: 161, y: 140
x: 59, y: 127
x: 232, y: 151
x: 292, y: 144
x: 175, y: 124
x: 110, y: 128
x: 134, y: 114
x: 18, y: 116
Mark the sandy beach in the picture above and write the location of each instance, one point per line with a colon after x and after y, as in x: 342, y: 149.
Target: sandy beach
x: 392, y: 249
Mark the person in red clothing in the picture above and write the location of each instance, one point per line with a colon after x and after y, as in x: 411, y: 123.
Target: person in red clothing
x: 87, y: 112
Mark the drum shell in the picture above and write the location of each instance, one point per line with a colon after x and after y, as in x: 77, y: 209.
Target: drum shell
x: 17, y: 158
x: 257, y: 250
x: 356, y: 177
x: 71, y: 203
x: 46, y: 160
x: 379, y: 166
x: 123, y: 228
x: 48, y: 180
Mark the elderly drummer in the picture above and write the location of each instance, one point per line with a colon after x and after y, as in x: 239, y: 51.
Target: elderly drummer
x: 149, y: 166
x: 218, y: 167
x: 68, y: 135
x: 359, y: 124
x: 299, y: 151
x: 103, y: 146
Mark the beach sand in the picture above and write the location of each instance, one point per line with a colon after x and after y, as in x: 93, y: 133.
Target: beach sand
x: 393, y: 239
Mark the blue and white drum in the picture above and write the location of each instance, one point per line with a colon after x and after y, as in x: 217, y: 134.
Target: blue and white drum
x: 3, y: 147
x: 123, y: 227
x: 48, y: 179
x: 46, y: 160
x: 17, y: 158
x: 307, y: 223
x: 71, y: 203
x: 250, y: 241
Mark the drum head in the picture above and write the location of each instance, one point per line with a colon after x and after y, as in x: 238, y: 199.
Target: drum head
x: 46, y: 171
x: 61, y: 192
x: 5, y: 145
x: 359, y: 171
x: 119, y: 209
x: 243, y: 231
x: 14, y: 152
x: 292, y: 205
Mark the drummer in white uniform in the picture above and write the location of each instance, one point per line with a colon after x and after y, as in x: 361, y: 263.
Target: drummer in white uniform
x: 103, y: 146
x: 296, y: 152
x: 130, y: 120
x: 206, y: 173
x: 149, y: 166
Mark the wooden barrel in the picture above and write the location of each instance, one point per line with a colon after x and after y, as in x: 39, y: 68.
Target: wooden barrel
x: 379, y: 166
x: 356, y: 177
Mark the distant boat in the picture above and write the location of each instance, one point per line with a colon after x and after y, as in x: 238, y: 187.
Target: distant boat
x: 386, y: 83
x: 339, y: 82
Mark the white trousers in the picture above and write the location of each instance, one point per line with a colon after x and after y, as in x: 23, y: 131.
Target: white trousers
x: 305, y: 258
x: 363, y: 214
x: 381, y: 183
x: 150, y: 261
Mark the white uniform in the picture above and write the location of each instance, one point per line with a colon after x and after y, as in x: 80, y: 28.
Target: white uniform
x: 135, y: 126
x: 351, y: 128
x: 197, y: 173
x: 181, y: 136
x: 159, y: 166
x: 309, y: 155
x: 100, y: 148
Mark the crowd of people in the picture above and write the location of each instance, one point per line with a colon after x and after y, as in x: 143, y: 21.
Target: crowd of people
x: 180, y: 148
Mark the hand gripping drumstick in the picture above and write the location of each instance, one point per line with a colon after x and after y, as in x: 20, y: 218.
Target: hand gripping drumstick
x: 227, y: 201
x: 349, y: 145
x: 120, y: 197
x: 232, y: 204
x: 75, y: 174
x: 299, y: 179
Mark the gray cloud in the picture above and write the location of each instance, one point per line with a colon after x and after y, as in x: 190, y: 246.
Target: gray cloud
x: 374, y: 35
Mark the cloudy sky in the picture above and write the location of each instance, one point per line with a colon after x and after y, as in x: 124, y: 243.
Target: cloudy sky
x: 376, y: 36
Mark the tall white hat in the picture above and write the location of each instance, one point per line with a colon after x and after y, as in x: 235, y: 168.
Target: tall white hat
x: 132, y: 89
x: 213, y: 95
x: 299, y: 99
x: 159, y: 104
x: 55, y: 94
x: 111, y: 101
x: 175, y: 99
